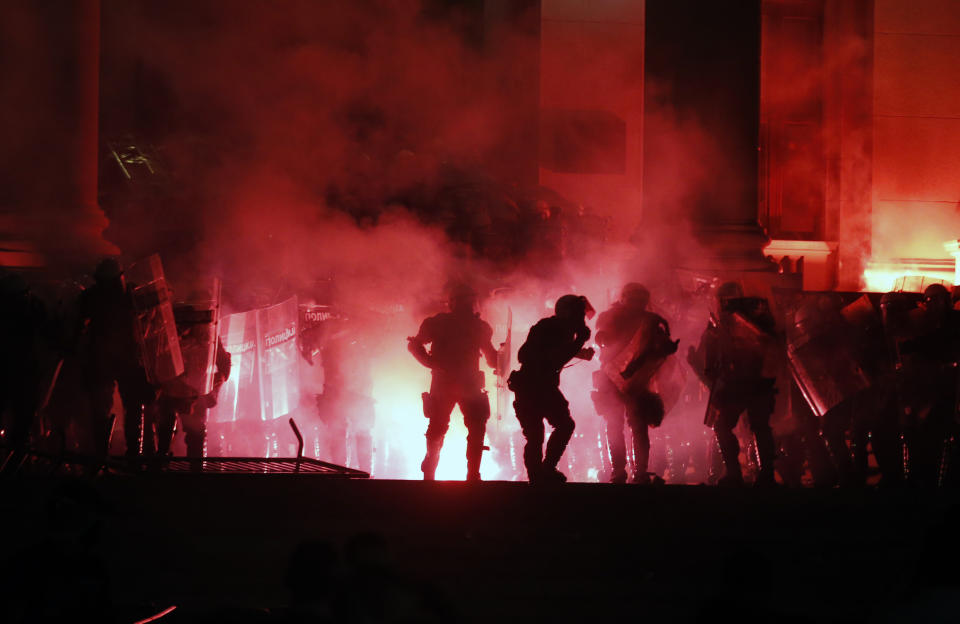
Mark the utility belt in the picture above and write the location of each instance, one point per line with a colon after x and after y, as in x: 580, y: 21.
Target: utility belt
x: 523, y: 380
x: 475, y: 405
x: 458, y: 382
x: 726, y: 390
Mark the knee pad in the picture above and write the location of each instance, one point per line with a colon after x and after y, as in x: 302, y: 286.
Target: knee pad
x: 437, y: 429
x: 567, y: 425
x: 649, y: 409
x: 428, y: 404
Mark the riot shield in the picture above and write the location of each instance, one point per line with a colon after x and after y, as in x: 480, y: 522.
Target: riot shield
x: 866, y: 334
x: 312, y: 316
x: 754, y: 310
x: 154, y: 321
x: 643, y: 355
x: 503, y: 368
x: 669, y: 382
x: 822, y: 350
x: 240, y: 394
x: 279, y: 375
x: 313, y: 327
x: 198, y: 322
x: 744, y: 342
x: 697, y: 357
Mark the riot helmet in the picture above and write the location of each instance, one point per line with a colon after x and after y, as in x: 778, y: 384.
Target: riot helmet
x: 462, y: 297
x: 107, y: 271
x: 729, y: 290
x: 936, y: 299
x: 635, y: 295
x: 573, y: 307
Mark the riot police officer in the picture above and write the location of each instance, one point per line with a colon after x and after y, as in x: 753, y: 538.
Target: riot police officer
x: 735, y: 345
x: 110, y: 354
x: 458, y: 338
x: 346, y: 404
x: 633, y: 402
x: 190, y: 406
x: 929, y: 392
x: 551, y: 343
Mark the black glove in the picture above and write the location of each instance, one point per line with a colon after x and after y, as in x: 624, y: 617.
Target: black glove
x: 583, y: 334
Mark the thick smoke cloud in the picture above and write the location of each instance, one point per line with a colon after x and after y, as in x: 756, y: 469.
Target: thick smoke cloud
x: 275, y: 120
x: 345, y: 152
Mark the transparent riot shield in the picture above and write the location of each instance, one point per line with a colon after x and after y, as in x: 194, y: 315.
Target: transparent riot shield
x: 643, y: 356
x: 503, y: 368
x: 154, y: 321
x: 669, y: 381
x: 313, y: 316
x: 313, y: 327
x: 197, y: 312
x: 239, y: 398
x: 279, y: 359
x: 822, y: 350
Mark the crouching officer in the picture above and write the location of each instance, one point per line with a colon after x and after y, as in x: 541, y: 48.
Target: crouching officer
x: 458, y: 338
x: 551, y: 343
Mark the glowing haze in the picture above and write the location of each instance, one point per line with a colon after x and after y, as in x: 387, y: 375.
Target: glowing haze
x: 340, y: 152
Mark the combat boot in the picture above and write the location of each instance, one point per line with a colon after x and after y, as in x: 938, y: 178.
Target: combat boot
x: 619, y: 476
x: 648, y: 478
x: 429, y: 468
x: 733, y: 479
x: 765, y: 480
x: 474, y: 458
x: 551, y: 475
x: 431, y: 459
x: 473, y: 469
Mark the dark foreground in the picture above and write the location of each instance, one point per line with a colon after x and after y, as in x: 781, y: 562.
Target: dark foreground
x: 218, y: 547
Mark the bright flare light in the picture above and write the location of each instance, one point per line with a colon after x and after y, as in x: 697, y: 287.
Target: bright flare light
x: 907, y: 274
x: 398, y: 381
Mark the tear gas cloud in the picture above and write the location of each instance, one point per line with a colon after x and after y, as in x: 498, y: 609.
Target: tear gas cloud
x: 311, y: 152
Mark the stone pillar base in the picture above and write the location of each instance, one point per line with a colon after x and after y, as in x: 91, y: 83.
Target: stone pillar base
x: 730, y: 248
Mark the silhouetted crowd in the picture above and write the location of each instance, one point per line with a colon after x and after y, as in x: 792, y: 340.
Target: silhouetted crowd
x: 850, y: 373
x: 63, y: 368
x: 63, y: 575
x: 799, y: 388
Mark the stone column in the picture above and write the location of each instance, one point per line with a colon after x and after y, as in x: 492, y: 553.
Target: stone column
x: 701, y: 132
x: 49, y: 57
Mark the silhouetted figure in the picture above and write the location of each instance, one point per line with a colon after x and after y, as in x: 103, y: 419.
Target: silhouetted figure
x: 23, y: 321
x: 551, y: 343
x: 110, y: 354
x: 346, y: 405
x: 930, y: 390
x: 190, y: 405
x: 839, y: 358
x: 735, y: 345
x: 633, y: 343
x: 458, y: 338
